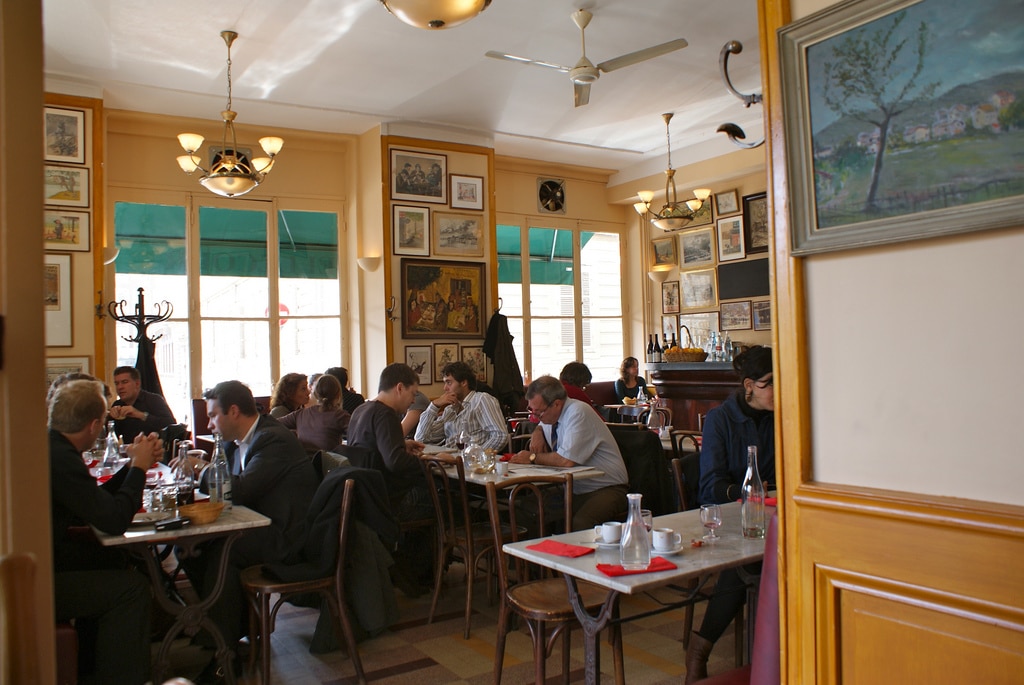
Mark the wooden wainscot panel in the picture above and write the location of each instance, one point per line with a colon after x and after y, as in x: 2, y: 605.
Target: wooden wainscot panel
x: 901, y: 588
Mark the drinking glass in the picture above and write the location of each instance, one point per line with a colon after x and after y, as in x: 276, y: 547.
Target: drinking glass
x: 648, y: 519
x: 462, y: 440
x: 711, y: 517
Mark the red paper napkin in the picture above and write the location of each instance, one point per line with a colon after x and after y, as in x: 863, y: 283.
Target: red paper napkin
x: 507, y: 456
x: 103, y: 479
x: 657, y: 564
x: 560, y: 549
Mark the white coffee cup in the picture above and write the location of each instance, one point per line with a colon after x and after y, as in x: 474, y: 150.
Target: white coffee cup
x: 501, y: 468
x: 666, y: 539
x: 608, y: 532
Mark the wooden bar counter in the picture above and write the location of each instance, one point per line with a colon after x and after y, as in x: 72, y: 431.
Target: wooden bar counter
x: 692, y: 388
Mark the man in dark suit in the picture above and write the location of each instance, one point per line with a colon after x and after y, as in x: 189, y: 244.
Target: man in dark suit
x: 271, y: 474
x: 137, y: 411
x: 92, y: 584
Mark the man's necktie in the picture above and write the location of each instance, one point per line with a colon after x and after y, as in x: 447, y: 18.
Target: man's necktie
x: 554, y: 436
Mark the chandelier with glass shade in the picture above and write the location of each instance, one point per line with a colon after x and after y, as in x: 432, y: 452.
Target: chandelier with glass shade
x: 435, y: 14
x: 674, y: 215
x: 231, y: 172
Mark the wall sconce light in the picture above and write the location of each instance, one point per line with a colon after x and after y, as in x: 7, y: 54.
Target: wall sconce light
x: 661, y: 273
x: 368, y: 264
x: 110, y: 255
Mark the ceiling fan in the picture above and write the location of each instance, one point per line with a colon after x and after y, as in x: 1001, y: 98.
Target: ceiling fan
x: 585, y: 72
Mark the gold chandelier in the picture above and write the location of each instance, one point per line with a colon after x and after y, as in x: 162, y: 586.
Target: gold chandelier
x: 674, y: 215
x: 435, y: 14
x: 231, y: 172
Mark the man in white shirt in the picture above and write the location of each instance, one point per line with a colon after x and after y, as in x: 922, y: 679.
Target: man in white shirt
x: 574, y: 435
x: 462, y: 408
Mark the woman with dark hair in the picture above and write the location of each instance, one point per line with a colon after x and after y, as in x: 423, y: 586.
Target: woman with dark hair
x: 575, y: 377
x: 747, y: 417
x: 324, y: 424
x: 630, y: 381
x: 290, y: 393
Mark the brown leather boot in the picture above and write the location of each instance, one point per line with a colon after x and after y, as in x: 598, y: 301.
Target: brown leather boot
x: 697, y: 658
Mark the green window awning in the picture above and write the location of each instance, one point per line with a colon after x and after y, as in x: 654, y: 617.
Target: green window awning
x: 550, y: 255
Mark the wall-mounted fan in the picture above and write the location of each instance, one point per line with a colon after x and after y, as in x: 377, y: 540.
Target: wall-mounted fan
x: 551, y: 195
x: 585, y: 73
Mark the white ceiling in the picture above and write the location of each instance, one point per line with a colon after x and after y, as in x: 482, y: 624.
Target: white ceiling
x: 348, y: 65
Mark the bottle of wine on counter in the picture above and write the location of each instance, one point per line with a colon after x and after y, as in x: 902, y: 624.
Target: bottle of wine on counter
x: 674, y: 344
x: 657, y: 350
x: 650, y: 349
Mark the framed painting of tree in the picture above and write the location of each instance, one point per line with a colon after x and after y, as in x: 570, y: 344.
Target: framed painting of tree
x: 899, y: 122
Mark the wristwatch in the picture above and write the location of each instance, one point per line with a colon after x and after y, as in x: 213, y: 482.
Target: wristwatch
x: 533, y: 457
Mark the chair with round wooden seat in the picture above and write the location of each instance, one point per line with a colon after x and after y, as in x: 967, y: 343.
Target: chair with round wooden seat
x: 534, y: 595
x: 459, y: 535
x: 259, y: 586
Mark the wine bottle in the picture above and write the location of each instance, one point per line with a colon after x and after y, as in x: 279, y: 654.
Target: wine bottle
x: 650, y: 349
x: 657, y: 350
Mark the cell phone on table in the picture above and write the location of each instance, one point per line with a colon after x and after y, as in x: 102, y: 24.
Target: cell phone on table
x: 172, y: 523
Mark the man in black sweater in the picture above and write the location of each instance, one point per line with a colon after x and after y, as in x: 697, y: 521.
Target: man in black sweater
x: 93, y: 584
x: 137, y: 411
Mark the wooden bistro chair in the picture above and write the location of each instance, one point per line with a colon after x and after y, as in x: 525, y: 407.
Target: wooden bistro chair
x: 457, y: 533
x: 259, y: 587
x: 535, y: 595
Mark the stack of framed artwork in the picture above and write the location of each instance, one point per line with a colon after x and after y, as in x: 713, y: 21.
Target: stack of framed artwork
x: 699, y: 251
x: 67, y: 217
x: 438, y: 227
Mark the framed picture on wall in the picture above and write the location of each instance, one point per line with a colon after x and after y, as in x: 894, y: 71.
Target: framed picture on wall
x: 64, y: 131
x: 444, y: 354
x: 727, y: 202
x: 755, y: 223
x: 57, y: 299
x: 419, y: 359
x: 467, y: 192
x: 735, y: 315
x: 762, y: 313
x: 664, y: 251
x: 410, y: 230
x: 730, y: 239
x: 58, y: 366
x: 65, y: 186
x: 699, y: 289
x: 699, y: 325
x: 64, y: 229
x: 442, y: 299
x: 697, y: 248
x: 476, y: 359
x: 670, y: 297
x: 419, y: 176
x: 458, y: 235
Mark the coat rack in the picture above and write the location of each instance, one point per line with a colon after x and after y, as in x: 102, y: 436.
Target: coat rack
x: 140, y: 320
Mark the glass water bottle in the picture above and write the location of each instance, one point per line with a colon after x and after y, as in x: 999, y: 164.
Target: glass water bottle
x: 636, y: 545
x: 752, y: 509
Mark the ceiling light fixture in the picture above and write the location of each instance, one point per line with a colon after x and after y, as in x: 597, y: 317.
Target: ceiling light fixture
x: 674, y: 215
x: 231, y: 171
x: 435, y: 14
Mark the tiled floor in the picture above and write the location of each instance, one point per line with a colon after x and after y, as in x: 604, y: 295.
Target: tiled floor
x: 414, y: 652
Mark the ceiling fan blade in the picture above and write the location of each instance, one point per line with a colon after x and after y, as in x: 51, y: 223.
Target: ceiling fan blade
x: 580, y: 93
x: 526, y: 60
x: 642, y: 55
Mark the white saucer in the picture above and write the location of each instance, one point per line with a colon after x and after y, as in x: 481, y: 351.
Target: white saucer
x: 668, y: 552
x: 605, y: 545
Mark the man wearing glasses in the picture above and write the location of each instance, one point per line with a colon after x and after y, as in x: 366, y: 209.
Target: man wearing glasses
x: 573, y: 434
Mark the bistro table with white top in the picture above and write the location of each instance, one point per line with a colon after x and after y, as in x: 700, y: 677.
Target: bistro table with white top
x: 142, y: 537
x: 514, y: 470
x: 693, y: 563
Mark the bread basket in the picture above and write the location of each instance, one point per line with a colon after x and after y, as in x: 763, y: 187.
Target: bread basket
x: 201, y: 513
x: 685, y: 354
